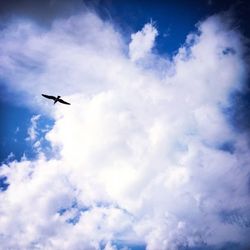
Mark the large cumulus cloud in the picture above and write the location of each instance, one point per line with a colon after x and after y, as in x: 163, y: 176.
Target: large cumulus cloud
x: 144, y: 155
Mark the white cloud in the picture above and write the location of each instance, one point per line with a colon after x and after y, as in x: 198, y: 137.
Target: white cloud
x: 32, y: 131
x: 142, y: 42
x: 139, y: 154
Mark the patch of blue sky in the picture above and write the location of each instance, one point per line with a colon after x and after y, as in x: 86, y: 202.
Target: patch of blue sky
x: 174, y: 20
x: 122, y: 245
x: 76, y: 212
x: 3, y: 183
x: 227, y: 147
x: 228, y: 51
x: 15, y: 121
x: 75, y: 219
x: 238, y: 114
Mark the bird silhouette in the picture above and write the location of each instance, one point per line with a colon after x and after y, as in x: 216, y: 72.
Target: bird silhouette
x: 56, y: 99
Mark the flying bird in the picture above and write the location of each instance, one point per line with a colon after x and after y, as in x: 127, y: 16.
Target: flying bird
x: 56, y: 99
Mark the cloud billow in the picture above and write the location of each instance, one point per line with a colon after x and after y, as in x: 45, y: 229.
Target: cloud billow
x: 144, y: 155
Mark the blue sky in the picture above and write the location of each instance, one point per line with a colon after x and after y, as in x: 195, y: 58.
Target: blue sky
x: 153, y: 151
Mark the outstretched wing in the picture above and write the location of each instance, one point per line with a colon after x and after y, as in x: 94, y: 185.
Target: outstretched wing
x: 49, y: 97
x: 62, y: 101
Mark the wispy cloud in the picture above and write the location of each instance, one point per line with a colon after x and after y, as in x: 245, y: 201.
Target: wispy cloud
x: 32, y: 131
x: 145, y: 154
